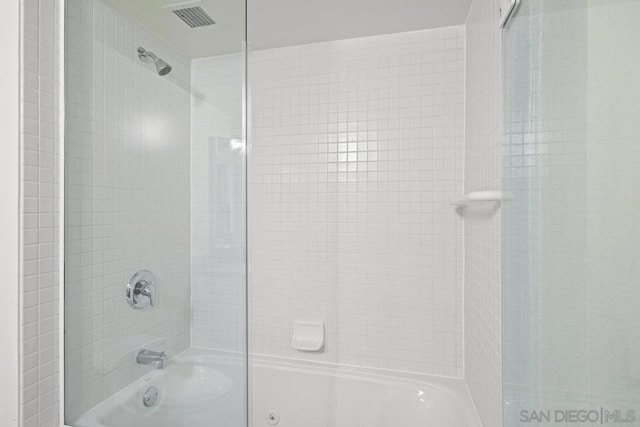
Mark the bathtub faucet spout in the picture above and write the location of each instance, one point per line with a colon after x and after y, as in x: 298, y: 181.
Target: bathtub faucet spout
x: 149, y: 357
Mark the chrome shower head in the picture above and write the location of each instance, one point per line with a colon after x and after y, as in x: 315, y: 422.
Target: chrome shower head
x: 162, y: 67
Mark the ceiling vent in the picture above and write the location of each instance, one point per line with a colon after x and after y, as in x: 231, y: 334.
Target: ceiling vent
x: 194, y: 16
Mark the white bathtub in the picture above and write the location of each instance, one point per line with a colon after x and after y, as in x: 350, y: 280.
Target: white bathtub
x: 198, y: 388
x: 202, y: 388
x: 314, y: 395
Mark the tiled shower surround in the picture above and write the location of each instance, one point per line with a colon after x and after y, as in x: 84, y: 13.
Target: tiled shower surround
x: 358, y: 147
x: 356, y: 151
x: 127, y: 204
x: 482, y: 226
x: 40, y: 211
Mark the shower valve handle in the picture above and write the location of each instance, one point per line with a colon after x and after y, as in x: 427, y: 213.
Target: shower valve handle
x: 140, y: 292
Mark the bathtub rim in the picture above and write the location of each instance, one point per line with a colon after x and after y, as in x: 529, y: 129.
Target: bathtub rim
x: 454, y: 387
x: 358, y: 372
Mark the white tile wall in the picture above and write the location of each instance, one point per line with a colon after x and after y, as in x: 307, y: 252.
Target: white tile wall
x: 40, y: 69
x: 218, y: 204
x: 127, y: 200
x: 482, y: 227
x: 357, y: 149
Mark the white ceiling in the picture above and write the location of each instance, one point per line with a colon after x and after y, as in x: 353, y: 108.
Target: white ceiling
x: 276, y: 23
x: 226, y: 36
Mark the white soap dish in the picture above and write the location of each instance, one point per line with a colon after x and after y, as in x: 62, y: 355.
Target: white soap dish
x: 308, y: 336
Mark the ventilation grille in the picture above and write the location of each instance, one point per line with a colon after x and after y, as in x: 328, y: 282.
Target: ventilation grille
x: 194, y: 16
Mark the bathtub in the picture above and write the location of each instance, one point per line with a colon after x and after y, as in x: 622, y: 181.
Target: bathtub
x: 197, y: 388
x: 204, y: 388
x: 301, y: 394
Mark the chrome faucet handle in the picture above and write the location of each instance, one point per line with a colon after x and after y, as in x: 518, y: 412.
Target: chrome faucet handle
x: 145, y: 289
x: 140, y: 292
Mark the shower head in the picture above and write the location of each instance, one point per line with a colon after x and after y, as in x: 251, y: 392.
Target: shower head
x: 162, y: 67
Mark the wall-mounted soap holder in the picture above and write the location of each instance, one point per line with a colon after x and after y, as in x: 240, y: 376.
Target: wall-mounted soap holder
x: 477, y: 197
x: 308, y: 336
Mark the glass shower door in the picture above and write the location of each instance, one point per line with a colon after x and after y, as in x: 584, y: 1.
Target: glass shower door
x: 155, y: 223
x: 571, y: 329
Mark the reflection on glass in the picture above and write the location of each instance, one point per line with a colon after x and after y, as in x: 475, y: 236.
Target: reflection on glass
x: 572, y: 238
x: 154, y: 197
